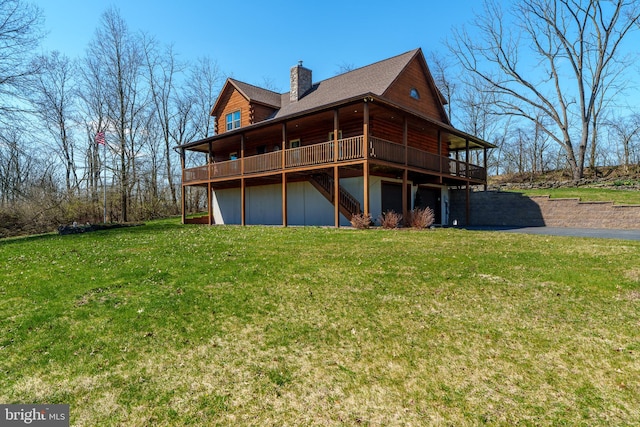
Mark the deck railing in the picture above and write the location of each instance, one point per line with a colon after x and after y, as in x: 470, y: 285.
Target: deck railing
x: 263, y: 162
x: 425, y: 160
x: 225, y: 169
x: 309, y: 155
x: 350, y: 148
x: 322, y: 154
x: 199, y: 173
x: 386, y: 150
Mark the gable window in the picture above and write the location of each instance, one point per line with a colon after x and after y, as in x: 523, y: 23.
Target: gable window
x: 414, y: 93
x: 233, y: 120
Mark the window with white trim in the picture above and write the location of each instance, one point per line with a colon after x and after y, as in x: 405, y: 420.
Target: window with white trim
x: 233, y: 120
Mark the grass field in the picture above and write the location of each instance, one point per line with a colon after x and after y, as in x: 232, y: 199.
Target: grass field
x: 619, y: 196
x: 192, y: 325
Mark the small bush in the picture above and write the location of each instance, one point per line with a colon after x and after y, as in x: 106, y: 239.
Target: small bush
x: 390, y: 219
x: 421, y: 218
x: 361, y: 221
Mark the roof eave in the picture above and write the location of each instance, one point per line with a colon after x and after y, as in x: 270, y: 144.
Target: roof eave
x: 368, y: 97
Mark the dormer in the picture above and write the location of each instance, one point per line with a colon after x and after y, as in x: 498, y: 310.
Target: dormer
x: 240, y: 104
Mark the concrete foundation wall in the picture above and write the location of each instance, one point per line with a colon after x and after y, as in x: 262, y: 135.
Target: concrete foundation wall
x: 495, y: 208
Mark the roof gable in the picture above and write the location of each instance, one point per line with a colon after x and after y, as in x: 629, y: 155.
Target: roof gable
x: 371, y: 79
x: 416, y: 78
x: 251, y: 93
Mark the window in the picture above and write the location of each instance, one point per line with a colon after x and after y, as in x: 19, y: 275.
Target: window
x: 414, y: 93
x: 331, y: 135
x: 294, y: 143
x: 233, y: 120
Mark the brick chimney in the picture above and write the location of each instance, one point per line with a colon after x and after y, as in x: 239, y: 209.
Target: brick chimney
x: 300, y: 82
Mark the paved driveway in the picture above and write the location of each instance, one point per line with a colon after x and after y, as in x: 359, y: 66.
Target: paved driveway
x: 565, y: 231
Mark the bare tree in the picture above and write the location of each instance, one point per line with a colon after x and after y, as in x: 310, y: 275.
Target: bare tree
x: 53, y: 100
x: 625, y: 130
x: 17, y: 167
x: 204, y: 82
x: 116, y: 55
x: 441, y: 68
x: 572, y: 45
x: 20, y: 33
x: 162, y: 70
x: 92, y: 93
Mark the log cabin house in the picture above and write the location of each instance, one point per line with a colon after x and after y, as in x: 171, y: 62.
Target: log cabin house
x: 326, y: 150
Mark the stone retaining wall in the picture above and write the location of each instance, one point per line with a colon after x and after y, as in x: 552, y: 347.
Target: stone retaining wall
x: 495, y: 208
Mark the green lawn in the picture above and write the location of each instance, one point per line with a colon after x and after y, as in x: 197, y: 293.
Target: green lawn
x: 192, y: 325
x: 619, y: 196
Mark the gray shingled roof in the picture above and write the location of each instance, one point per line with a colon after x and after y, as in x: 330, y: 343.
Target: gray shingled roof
x: 257, y: 94
x: 374, y: 78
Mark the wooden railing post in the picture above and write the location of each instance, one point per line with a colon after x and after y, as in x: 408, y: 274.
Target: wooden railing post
x: 365, y: 130
x: 284, y: 145
x: 242, y: 154
x: 485, y: 164
x: 336, y: 131
x: 466, y: 147
x: 209, y: 158
x: 440, y: 155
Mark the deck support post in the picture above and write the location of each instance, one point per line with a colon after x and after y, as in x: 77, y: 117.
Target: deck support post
x: 243, y: 207
x: 336, y: 196
x: 365, y: 174
x: 183, y: 201
x: 405, y: 172
x: 184, y: 205
x: 284, y: 199
x: 468, y: 205
x: 210, y: 202
x: 405, y: 198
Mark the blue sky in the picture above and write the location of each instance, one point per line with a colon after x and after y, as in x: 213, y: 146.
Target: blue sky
x: 260, y: 40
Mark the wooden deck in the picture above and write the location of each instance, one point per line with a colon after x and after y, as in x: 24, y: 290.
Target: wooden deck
x: 349, y: 150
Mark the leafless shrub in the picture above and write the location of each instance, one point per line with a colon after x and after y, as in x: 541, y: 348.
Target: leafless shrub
x: 390, y: 219
x: 361, y: 221
x: 421, y: 218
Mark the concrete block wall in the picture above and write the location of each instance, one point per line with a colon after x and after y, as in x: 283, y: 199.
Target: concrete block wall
x: 495, y: 208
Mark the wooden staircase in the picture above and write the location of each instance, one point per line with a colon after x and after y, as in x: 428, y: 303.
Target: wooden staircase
x: 348, y: 205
